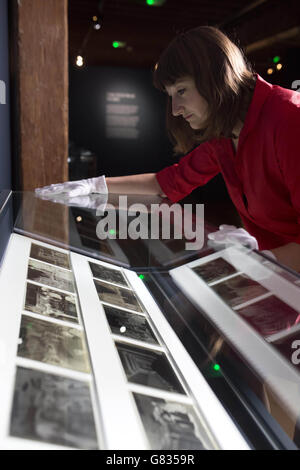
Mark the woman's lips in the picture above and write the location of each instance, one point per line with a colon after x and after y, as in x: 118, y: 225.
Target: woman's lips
x: 188, y: 117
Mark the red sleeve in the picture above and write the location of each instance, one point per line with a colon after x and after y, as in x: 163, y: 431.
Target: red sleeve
x: 289, y: 152
x: 193, y: 170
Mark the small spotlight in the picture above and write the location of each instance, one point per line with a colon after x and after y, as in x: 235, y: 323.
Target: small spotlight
x: 79, y: 61
x: 279, y: 66
x: 156, y: 66
x: 95, y: 18
x: 270, y: 71
x: 79, y: 218
x: 97, y: 26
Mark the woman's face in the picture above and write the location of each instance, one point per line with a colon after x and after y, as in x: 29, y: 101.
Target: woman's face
x: 187, y: 102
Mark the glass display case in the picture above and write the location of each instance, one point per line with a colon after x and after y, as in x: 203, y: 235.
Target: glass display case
x: 133, y: 341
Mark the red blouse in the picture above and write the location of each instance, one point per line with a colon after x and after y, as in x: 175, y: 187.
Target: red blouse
x: 262, y: 177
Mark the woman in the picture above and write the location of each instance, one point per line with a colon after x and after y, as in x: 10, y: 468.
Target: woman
x: 225, y: 119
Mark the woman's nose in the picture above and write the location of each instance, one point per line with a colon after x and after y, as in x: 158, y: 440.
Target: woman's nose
x: 176, y: 108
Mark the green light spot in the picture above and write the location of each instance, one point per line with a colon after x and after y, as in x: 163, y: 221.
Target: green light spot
x: 150, y: 2
x: 112, y: 231
x: 118, y: 44
x: 216, y: 367
x: 141, y: 276
x: 276, y: 59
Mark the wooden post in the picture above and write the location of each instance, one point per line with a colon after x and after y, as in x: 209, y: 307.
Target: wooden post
x: 42, y: 88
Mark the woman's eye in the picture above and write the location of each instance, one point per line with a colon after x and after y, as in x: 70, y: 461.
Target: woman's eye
x: 181, y: 91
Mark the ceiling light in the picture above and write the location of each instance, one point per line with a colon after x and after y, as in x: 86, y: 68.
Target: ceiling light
x: 155, y: 3
x: 79, y: 61
x: 118, y: 44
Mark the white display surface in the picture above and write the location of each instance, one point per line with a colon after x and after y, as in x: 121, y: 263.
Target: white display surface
x: 117, y: 420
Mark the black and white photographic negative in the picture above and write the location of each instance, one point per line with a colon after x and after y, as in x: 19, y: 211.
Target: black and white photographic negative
x: 149, y: 368
x: 130, y: 325
x: 51, y: 303
x: 239, y: 289
x: 214, y: 270
x: 109, y: 275
x: 119, y: 296
x: 96, y: 245
x: 175, y: 245
x: 53, y: 409
x: 53, y: 343
x: 49, y: 255
x: 170, y: 425
x: 270, y: 315
x: 51, y: 276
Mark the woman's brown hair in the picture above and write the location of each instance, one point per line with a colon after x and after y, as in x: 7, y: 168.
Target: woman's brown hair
x: 222, y: 76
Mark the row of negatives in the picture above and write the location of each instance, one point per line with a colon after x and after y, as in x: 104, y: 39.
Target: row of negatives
x: 267, y: 315
x: 169, y: 425
x: 48, y: 407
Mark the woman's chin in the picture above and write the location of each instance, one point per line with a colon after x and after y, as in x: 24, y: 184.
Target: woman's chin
x: 194, y: 126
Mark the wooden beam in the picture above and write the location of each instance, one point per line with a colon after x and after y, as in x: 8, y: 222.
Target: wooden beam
x: 279, y: 37
x: 42, y: 77
x: 240, y: 13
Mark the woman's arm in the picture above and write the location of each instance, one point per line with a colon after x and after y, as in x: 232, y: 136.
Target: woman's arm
x: 145, y: 183
x: 288, y: 255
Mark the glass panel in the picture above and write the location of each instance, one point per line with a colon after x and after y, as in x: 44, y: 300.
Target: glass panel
x: 236, y: 311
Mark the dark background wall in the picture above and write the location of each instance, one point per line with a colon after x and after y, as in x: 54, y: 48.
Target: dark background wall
x: 150, y: 151
x: 5, y: 154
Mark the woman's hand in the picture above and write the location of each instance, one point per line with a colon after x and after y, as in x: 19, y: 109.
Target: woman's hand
x: 75, y: 188
x: 228, y: 234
